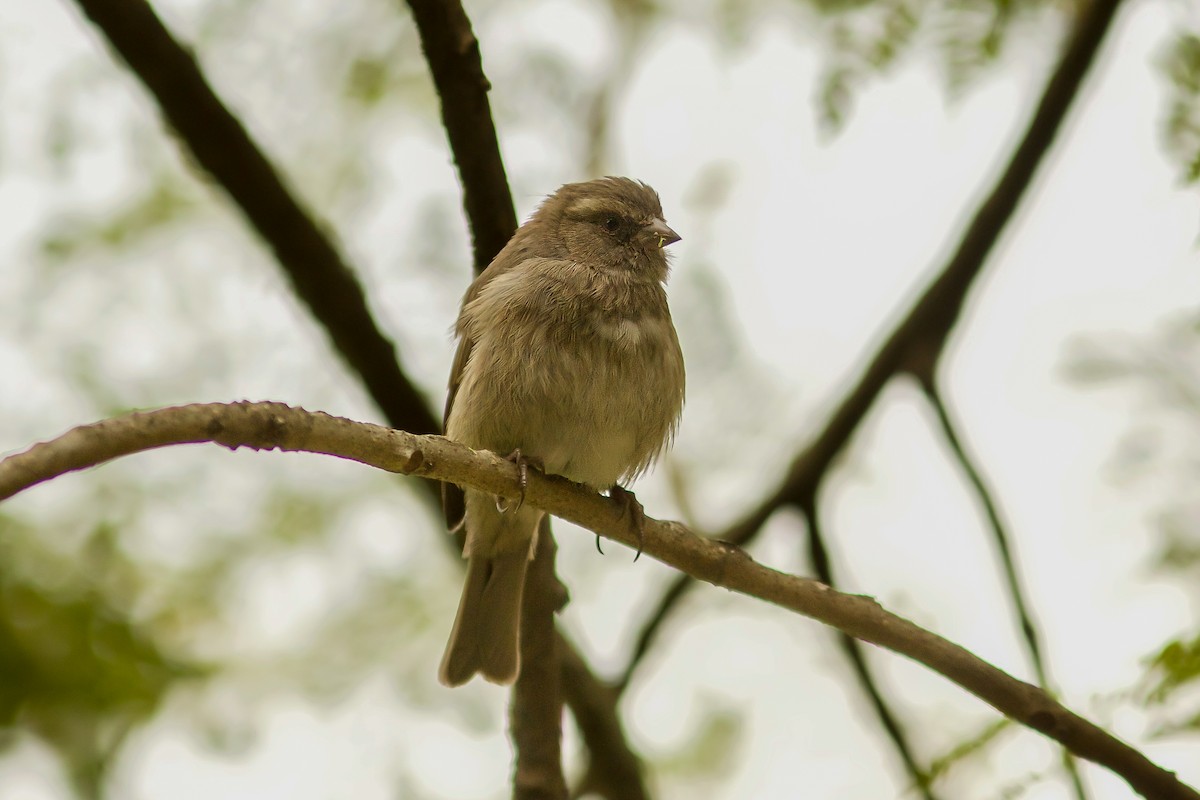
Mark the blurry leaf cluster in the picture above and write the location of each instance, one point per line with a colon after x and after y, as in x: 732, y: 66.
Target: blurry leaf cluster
x: 712, y: 746
x: 1181, y: 66
x: 1173, y: 685
x: 79, y: 668
x: 1162, y: 450
x: 865, y: 40
x: 166, y: 200
x: 1164, y: 370
x: 967, y: 749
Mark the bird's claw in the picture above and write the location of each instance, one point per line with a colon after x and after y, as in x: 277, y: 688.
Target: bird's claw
x: 629, y: 504
x: 523, y: 463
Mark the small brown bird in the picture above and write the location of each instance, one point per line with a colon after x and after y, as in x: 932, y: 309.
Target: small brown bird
x: 567, y: 360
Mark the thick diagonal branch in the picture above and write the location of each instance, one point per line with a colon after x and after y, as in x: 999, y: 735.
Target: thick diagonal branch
x: 267, y: 426
x: 220, y: 144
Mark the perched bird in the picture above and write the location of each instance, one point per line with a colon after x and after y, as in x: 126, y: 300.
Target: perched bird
x: 568, y: 361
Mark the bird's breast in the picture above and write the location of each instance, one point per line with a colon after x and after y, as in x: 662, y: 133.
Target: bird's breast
x: 614, y: 386
x: 595, y: 395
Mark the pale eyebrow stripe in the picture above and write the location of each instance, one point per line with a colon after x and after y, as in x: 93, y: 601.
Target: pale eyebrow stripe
x: 587, y: 206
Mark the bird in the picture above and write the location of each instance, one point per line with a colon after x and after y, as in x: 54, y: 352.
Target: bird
x: 567, y: 361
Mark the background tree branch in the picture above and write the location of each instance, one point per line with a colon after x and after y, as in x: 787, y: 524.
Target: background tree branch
x: 266, y: 426
x: 537, y: 697
x: 920, y: 338
x: 452, y: 52
x: 220, y: 144
x: 612, y: 769
x: 889, y: 720
x: 1022, y: 607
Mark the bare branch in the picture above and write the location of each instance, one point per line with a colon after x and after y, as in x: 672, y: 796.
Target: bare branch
x: 853, y: 650
x: 537, y: 698
x: 1004, y: 547
x: 266, y: 426
x: 452, y: 52
x: 921, y: 336
x: 613, y: 770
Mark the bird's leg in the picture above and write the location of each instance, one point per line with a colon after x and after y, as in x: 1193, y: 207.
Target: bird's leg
x: 629, y: 504
x: 523, y: 464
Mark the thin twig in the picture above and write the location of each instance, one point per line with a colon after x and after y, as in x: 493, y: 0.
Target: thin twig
x: 267, y: 426
x: 923, y: 332
x: 1004, y: 548
x: 893, y: 728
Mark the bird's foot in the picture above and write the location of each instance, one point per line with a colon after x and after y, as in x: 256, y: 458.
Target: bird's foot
x: 628, y: 503
x: 523, y: 464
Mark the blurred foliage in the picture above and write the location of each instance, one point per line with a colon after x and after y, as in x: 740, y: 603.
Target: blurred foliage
x: 712, y: 747
x: 167, y: 199
x: 1172, y: 686
x: 1164, y: 450
x: 78, y: 670
x: 1176, y: 665
x: 869, y: 39
x: 95, y: 634
x: 940, y: 765
x: 1181, y: 65
x: 865, y: 42
x: 1165, y: 370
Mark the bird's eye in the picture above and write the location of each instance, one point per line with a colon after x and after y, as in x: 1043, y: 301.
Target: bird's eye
x: 612, y: 224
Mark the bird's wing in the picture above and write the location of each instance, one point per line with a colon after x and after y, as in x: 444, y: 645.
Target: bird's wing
x: 453, y: 505
x: 453, y: 502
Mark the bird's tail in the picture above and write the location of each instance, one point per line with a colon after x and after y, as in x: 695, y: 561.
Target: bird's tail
x: 486, y: 633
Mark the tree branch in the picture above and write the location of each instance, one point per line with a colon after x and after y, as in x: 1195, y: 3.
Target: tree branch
x: 452, y: 52
x: 613, y: 770
x: 267, y: 426
x: 1003, y: 542
x: 537, y: 698
x: 853, y: 651
x: 921, y: 336
x: 219, y: 143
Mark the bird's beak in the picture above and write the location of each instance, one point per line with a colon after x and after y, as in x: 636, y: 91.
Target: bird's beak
x: 661, y: 233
